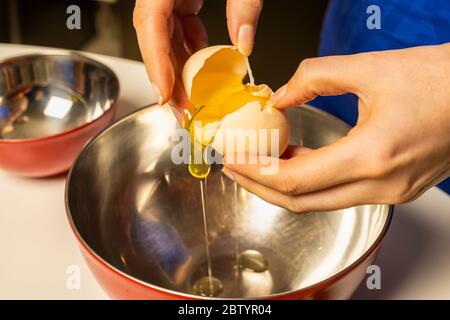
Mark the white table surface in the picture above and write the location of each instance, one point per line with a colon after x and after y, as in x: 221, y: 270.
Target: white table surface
x: 37, y: 247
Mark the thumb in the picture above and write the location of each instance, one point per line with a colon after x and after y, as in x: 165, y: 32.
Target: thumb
x: 324, y: 76
x: 242, y: 21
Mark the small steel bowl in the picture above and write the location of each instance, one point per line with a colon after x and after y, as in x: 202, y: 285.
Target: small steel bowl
x: 50, y: 106
x: 138, y: 219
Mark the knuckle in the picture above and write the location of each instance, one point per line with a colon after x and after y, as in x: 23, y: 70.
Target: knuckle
x: 304, y: 69
x: 396, y: 192
x: 198, y: 6
x: 404, y: 193
x: 295, y: 206
x: 140, y: 14
x: 287, y: 183
x: 143, y: 10
x: 187, y: 8
x: 304, y: 79
x: 380, y: 163
x: 287, y: 187
x: 397, y: 199
x: 253, y: 4
x: 371, y: 58
x: 375, y: 63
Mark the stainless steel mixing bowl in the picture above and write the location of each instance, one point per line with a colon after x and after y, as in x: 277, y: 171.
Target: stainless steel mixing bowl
x: 50, y: 106
x: 138, y: 219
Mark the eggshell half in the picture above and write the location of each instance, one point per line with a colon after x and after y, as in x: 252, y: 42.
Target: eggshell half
x: 252, y: 129
x: 212, y: 73
x: 224, y: 65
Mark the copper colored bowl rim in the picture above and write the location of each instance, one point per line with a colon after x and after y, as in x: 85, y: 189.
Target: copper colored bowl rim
x: 65, y: 53
x: 314, y: 287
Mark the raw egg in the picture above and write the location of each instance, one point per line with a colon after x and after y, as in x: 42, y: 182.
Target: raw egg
x: 230, y: 116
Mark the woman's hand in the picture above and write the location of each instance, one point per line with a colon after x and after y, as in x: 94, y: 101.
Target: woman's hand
x: 169, y: 31
x: 399, y: 148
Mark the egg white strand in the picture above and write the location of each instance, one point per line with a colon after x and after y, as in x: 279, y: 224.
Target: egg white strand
x: 249, y: 72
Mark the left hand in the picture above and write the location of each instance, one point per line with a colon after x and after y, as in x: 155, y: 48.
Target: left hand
x: 399, y: 148
x: 169, y: 32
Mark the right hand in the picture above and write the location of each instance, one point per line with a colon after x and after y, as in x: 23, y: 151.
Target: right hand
x: 399, y: 148
x: 169, y: 31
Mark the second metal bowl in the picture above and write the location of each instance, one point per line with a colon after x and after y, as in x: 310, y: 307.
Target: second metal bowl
x: 50, y: 106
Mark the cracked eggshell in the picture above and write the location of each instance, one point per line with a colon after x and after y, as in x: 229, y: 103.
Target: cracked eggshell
x: 250, y: 129
x: 216, y: 72
x: 224, y: 65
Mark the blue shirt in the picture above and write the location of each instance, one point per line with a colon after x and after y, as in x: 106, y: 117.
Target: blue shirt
x: 403, y: 24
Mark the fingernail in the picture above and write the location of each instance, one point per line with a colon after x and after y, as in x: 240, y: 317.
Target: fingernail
x: 277, y: 96
x: 228, y: 174
x: 158, y: 95
x: 245, y: 39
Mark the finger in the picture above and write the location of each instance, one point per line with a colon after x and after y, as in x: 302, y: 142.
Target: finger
x: 272, y: 196
x: 151, y: 21
x: 179, y: 102
x: 294, y: 151
x: 325, y: 76
x: 187, y: 7
x: 242, y: 21
x: 339, y: 163
x: 178, y: 44
x: 339, y: 197
x: 336, y: 198
x: 195, y: 33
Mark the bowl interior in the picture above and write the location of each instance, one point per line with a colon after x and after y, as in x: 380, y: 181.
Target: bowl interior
x: 141, y: 213
x: 45, y: 95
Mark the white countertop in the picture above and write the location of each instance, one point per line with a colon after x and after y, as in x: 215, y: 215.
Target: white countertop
x: 38, y: 248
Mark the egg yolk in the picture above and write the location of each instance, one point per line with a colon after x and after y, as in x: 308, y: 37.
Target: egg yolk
x: 217, y: 111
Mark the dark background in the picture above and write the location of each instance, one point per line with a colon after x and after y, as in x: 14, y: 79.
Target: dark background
x: 288, y: 31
